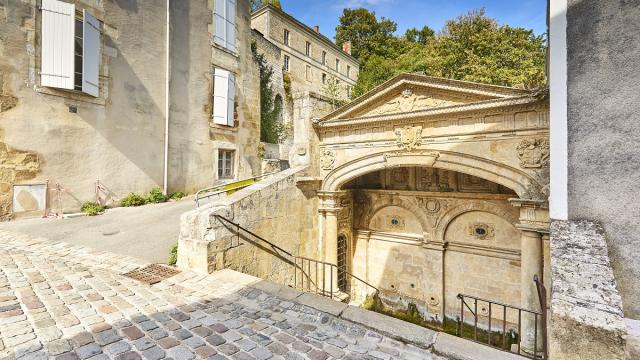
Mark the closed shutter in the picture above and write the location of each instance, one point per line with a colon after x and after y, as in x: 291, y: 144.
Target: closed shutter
x: 220, y: 24
x: 57, y: 60
x: 231, y: 100
x: 231, y: 25
x: 220, y: 96
x: 90, y: 54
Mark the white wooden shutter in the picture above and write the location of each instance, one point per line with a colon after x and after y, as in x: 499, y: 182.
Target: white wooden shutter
x: 231, y: 24
x: 231, y: 99
x: 220, y: 96
x: 220, y: 23
x: 90, y: 54
x: 57, y: 60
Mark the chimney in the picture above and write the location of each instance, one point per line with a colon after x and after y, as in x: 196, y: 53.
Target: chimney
x: 316, y: 28
x: 346, y: 47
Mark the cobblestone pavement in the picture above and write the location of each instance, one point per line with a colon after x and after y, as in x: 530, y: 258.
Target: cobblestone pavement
x: 65, y: 302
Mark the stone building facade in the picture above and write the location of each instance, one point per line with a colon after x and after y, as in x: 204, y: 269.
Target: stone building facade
x: 425, y: 188
x: 310, y: 58
x: 148, y: 120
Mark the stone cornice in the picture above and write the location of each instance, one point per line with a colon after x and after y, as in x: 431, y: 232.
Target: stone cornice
x: 425, y: 114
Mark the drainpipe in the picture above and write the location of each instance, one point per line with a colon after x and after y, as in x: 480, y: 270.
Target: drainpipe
x: 166, y: 107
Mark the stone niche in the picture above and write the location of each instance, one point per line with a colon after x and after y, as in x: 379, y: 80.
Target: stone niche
x: 402, y: 219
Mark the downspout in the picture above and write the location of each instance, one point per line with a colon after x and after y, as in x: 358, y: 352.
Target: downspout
x: 166, y: 107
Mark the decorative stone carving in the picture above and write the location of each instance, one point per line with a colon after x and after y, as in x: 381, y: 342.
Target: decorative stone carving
x: 395, y: 222
x: 408, y: 101
x: 429, y: 159
x: 482, y: 231
x: 533, y: 153
x: 474, y: 184
x: 327, y: 160
x: 431, y: 206
x: 409, y: 137
x: 433, y: 180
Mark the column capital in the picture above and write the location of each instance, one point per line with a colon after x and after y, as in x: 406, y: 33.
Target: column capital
x: 534, y: 215
x: 330, y: 201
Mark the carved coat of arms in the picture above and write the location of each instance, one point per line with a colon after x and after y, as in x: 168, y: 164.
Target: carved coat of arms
x: 409, y: 137
x: 327, y: 160
x: 533, y: 153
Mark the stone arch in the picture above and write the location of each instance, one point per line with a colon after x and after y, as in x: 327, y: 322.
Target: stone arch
x: 444, y: 221
x: 515, y: 179
x: 410, y: 206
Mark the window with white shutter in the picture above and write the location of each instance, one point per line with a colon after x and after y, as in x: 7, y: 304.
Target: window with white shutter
x: 224, y: 18
x: 57, y: 57
x: 70, y: 56
x: 224, y: 93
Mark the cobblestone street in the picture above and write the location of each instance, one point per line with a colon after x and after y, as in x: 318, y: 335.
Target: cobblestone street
x: 68, y: 302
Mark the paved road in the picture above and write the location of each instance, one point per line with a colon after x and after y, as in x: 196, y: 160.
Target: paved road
x: 147, y: 232
x: 66, y: 302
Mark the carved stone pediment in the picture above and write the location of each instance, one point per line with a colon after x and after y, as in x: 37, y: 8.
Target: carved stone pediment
x: 409, y: 101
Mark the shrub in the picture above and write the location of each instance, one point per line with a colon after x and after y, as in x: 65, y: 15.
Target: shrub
x: 133, y: 200
x: 156, y: 196
x: 177, y: 195
x: 173, y: 255
x: 91, y: 208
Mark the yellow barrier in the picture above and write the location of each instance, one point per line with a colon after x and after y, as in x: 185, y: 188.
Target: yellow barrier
x: 233, y: 187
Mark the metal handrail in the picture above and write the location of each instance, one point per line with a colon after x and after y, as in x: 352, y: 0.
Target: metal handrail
x: 298, y: 262
x: 504, y: 307
x: 223, y: 190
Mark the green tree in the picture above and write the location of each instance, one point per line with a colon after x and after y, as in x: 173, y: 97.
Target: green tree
x: 333, y: 91
x: 256, y: 4
x: 368, y: 36
x: 421, y: 36
x: 473, y: 47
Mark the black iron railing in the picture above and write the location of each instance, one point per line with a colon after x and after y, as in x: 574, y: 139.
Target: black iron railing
x: 308, y: 275
x: 494, y: 324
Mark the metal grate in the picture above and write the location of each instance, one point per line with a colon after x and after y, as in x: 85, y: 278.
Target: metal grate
x: 342, y: 263
x: 152, y: 274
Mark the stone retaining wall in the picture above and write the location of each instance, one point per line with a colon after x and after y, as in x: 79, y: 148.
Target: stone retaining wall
x: 586, y: 309
x: 274, y: 208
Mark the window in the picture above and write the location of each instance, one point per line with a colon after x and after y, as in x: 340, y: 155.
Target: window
x: 324, y: 58
x: 70, y: 48
x: 286, y: 37
x: 308, y: 49
x: 324, y: 78
x: 308, y: 73
x: 338, y: 65
x: 225, y: 164
x: 348, y: 71
x: 224, y: 21
x: 224, y: 94
x: 349, y: 91
x: 285, y: 67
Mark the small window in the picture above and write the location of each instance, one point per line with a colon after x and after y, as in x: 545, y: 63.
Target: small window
x: 225, y: 164
x: 324, y: 78
x: 308, y: 73
x: 286, y: 37
x: 324, y: 58
x: 308, y: 49
x: 224, y: 94
x: 224, y: 23
x: 348, y: 71
x: 338, y: 65
x: 285, y: 66
x: 349, y: 91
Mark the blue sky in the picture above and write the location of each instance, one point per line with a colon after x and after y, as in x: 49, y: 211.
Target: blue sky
x: 530, y: 14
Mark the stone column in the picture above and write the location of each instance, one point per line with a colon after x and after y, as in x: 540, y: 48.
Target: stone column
x: 533, y: 224
x: 329, y: 206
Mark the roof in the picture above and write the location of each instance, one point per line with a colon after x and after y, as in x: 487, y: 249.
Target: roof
x: 310, y: 31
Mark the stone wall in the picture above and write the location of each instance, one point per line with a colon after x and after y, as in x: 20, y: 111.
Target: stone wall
x: 604, y: 132
x: 586, y: 309
x: 275, y: 209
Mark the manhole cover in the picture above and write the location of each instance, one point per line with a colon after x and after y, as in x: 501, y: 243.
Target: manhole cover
x: 152, y: 274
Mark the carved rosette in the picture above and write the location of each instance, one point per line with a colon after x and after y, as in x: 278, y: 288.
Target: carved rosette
x: 327, y: 159
x: 533, y: 153
x: 409, y: 137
